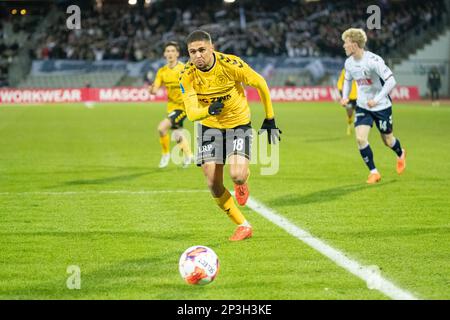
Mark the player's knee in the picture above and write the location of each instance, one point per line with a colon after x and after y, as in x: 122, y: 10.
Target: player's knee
x: 178, y: 136
x: 388, y: 140
x: 163, y: 127
x: 162, y: 131
x: 361, y: 141
x: 239, y: 176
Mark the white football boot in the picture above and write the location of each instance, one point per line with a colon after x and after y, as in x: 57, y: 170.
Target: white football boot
x: 164, y: 160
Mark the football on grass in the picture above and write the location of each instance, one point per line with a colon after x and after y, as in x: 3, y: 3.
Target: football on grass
x: 199, y: 265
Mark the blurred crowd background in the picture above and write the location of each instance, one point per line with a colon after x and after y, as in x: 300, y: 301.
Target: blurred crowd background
x: 135, y: 31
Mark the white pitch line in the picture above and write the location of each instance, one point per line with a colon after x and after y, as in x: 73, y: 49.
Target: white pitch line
x: 373, y: 279
x: 63, y: 193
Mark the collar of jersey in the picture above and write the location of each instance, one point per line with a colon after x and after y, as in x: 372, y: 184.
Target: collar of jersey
x: 362, y: 57
x: 213, y: 65
x: 178, y: 63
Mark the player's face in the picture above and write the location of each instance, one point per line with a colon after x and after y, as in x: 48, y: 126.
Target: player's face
x: 171, y: 54
x: 349, y: 47
x: 201, y: 53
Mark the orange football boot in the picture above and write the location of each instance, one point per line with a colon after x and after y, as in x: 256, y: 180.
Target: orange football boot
x: 374, y: 178
x: 241, y: 193
x: 196, y: 276
x: 401, y: 162
x: 242, y: 233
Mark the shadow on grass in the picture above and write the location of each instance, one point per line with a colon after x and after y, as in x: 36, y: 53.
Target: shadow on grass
x: 106, y: 180
x: 322, y: 195
x: 112, y: 179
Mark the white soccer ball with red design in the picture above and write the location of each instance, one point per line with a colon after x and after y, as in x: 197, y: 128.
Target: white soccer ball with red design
x: 199, y: 265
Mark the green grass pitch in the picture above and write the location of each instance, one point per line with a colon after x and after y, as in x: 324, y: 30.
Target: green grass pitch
x: 70, y: 178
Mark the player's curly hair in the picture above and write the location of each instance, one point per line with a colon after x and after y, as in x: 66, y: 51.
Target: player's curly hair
x: 355, y: 35
x: 173, y: 44
x: 198, y: 35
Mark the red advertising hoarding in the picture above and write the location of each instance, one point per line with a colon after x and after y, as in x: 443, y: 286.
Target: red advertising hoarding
x: 133, y: 94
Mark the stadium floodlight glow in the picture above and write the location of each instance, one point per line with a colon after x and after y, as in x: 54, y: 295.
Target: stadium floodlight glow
x: 23, y: 12
x: 229, y: 1
x: 132, y: 2
x: 14, y: 11
x: 148, y: 1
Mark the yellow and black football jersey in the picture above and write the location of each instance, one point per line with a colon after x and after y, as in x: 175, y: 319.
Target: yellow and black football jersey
x: 169, y: 78
x: 340, y: 85
x: 225, y: 80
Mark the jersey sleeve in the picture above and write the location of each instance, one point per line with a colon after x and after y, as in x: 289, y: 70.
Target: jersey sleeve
x: 193, y: 111
x: 158, y: 79
x: 381, y: 69
x: 242, y: 72
x: 347, y: 75
x: 347, y: 83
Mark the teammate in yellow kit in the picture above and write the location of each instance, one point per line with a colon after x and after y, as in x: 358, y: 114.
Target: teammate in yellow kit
x: 213, y: 93
x: 168, y: 76
x: 351, y: 106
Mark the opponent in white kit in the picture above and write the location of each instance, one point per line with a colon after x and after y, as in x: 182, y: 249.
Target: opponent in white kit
x: 374, y: 81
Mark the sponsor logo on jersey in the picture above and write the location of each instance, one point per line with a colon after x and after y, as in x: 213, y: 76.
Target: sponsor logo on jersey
x: 212, y: 100
x: 364, y: 82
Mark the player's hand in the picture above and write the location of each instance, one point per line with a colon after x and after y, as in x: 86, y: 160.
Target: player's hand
x: 273, y: 133
x: 344, y: 102
x: 215, y: 108
x: 150, y: 89
x: 371, y: 103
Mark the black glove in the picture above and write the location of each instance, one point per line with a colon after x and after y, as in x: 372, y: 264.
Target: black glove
x: 215, y: 108
x: 273, y: 133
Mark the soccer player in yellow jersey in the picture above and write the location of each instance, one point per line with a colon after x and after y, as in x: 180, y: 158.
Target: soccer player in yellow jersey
x: 212, y: 85
x: 351, y: 106
x: 168, y: 76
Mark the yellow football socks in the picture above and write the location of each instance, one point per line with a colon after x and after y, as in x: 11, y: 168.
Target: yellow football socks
x: 226, y: 203
x: 350, y: 119
x: 165, y: 143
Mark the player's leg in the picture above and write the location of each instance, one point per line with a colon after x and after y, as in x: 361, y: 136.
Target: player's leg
x: 385, y: 126
x: 164, y: 140
x: 239, y: 173
x: 211, y: 157
x: 362, y: 136
x: 214, y: 177
x: 183, y: 143
x: 394, y: 143
x: 238, y: 146
x: 177, y: 118
x: 350, y: 111
x: 363, y: 124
